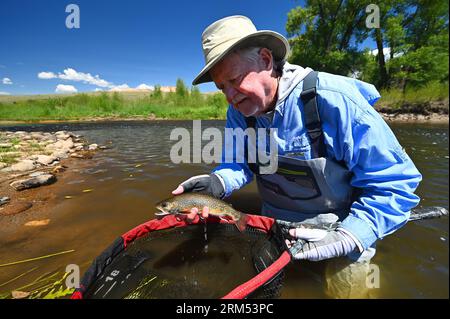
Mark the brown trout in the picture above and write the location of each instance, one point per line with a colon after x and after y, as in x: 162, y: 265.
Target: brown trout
x: 182, y: 204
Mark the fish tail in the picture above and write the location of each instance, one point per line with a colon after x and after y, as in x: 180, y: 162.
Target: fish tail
x: 241, y: 223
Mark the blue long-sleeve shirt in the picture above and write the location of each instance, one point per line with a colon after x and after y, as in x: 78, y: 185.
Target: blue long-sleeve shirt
x: 355, y: 134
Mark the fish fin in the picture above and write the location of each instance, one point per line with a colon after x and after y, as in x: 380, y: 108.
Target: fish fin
x: 241, y: 223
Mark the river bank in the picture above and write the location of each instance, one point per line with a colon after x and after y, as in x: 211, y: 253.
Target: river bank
x: 31, y: 164
x: 422, y: 104
x: 433, y: 117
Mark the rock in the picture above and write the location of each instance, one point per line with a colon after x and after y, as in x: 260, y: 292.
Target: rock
x: 2, y: 165
x: 36, y: 181
x: 11, y: 154
x: 20, y: 294
x: 22, y: 166
x: 5, y: 145
x: 62, y: 136
x: 60, y: 144
x: 16, y: 208
x: 60, y: 154
x: 68, y: 143
x: 53, y: 146
x: 37, y: 136
x: 4, y: 200
x: 92, y: 147
x: 82, y: 154
x: 58, y: 169
x: 45, y: 159
x: 35, y: 223
x: 37, y: 174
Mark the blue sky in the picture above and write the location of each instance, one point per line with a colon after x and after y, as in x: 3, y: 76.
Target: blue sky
x: 118, y: 43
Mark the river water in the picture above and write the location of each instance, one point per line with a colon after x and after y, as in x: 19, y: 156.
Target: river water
x: 136, y: 172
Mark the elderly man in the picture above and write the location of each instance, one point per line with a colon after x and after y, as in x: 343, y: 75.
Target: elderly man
x: 338, y: 161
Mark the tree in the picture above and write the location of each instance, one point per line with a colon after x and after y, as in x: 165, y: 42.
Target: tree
x: 195, y: 96
x: 324, y: 35
x: 181, y: 90
x: 156, y: 94
x: 425, y: 56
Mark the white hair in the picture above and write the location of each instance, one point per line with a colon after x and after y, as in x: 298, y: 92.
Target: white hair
x: 251, y: 54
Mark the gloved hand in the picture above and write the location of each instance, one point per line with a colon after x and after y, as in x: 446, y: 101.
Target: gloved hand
x: 211, y: 184
x: 319, y: 244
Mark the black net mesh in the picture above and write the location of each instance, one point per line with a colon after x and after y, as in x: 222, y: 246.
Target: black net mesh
x: 198, y: 261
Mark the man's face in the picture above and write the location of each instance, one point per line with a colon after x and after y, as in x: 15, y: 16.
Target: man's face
x: 247, y: 85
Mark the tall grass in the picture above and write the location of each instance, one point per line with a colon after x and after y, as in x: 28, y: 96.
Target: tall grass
x: 418, y: 97
x: 189, y: 105
x: 84, y: 106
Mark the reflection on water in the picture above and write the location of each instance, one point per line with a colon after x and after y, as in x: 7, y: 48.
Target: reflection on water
x: 128, y: 178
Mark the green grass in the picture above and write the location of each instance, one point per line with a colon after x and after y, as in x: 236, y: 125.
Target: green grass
x: 187, y: 106
x: 415, y: 99
x: 5, y: 157
x: 85, y: 106
x: 8, y: 159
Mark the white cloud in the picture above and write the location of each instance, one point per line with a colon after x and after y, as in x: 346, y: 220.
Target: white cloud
x: 386, y: 53
x: 122, y: 87
x: 7, y: 81
x: 73, y: 75
x: 144, y: 87
x: 70, y: 74
x: 46, y: 75
x: 61, y: 88
x: 4, y: 93
x: 98, y: 90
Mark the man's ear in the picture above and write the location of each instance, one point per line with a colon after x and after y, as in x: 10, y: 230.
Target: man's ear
x: 266, y: 58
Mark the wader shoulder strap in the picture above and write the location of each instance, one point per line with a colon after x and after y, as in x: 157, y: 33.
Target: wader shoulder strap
x: 251, y: 123
x: 312, y: 118
x: 313, y: 124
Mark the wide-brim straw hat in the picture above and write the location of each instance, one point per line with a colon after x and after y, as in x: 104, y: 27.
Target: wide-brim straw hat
x: 236, y: 32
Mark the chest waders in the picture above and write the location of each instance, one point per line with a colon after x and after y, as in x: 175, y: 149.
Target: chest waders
x: 317, y: 189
